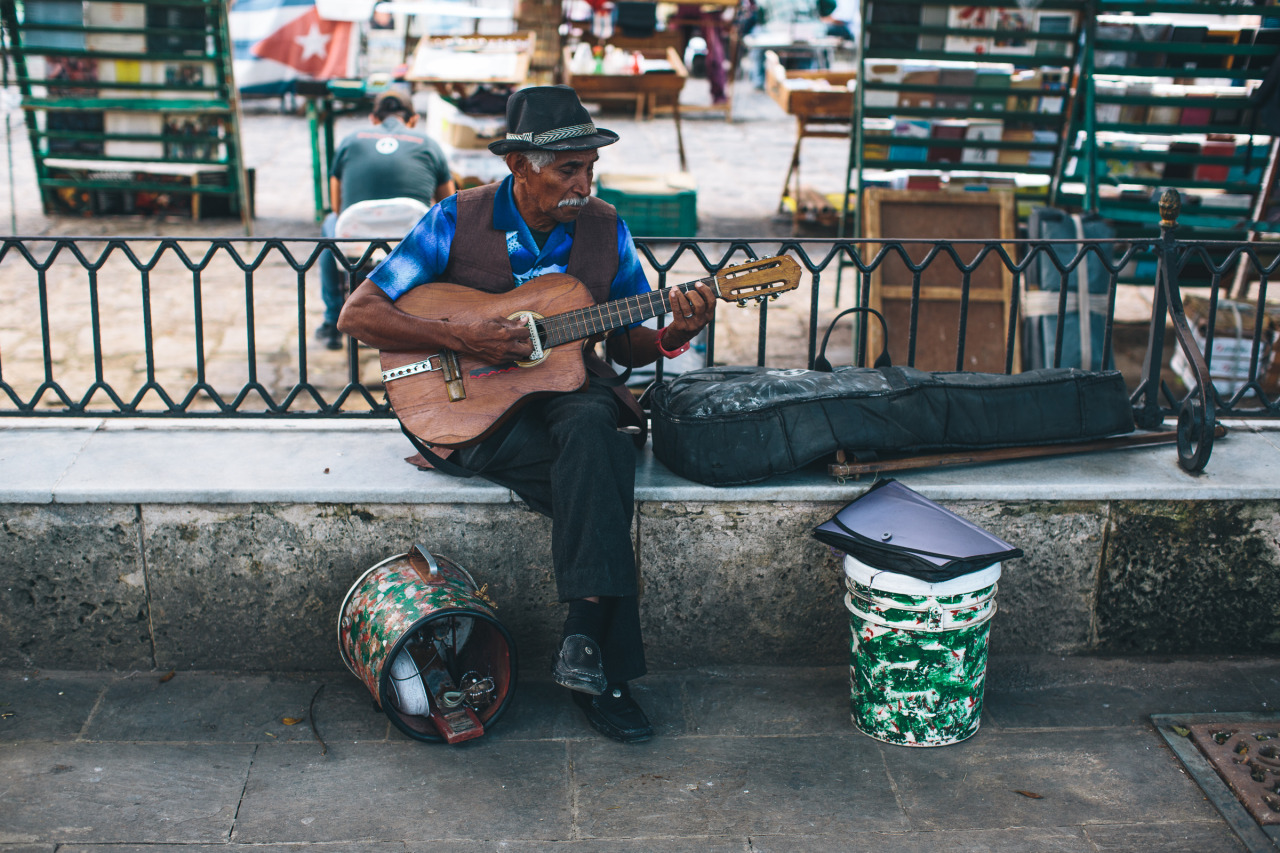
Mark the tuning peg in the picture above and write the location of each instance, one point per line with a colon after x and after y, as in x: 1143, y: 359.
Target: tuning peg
x: 742, y: 303
x: 773, y: 297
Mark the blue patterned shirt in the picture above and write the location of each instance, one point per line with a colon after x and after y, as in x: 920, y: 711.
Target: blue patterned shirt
x: 423, y: 254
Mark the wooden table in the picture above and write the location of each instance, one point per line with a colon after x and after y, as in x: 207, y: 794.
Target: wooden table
x: 643, y: 89
x: 823, y: 112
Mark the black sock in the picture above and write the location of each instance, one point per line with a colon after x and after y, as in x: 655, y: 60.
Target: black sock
x: 586, y: 618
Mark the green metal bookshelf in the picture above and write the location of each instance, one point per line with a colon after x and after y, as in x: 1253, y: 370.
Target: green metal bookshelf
x: 978, y: 92
x: 130, y: 106
x: 1164, y: 104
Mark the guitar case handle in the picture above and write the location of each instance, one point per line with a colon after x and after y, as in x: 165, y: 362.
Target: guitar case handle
x: 882, y: 360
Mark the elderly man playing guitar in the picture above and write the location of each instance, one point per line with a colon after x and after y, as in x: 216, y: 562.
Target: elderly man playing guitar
x: 561, y: 452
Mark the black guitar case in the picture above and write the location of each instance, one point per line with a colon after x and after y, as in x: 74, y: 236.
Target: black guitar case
x: 727, y: 426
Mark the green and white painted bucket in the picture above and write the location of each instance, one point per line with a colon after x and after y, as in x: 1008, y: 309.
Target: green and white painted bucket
x: 918, y: 656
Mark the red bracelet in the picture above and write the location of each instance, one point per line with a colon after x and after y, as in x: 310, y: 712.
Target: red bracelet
x: 673, y: 353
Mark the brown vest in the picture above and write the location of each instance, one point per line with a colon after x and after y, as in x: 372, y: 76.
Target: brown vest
x: 478, y: 258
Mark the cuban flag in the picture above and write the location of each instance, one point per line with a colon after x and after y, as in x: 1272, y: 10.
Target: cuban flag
x: 276, y: 42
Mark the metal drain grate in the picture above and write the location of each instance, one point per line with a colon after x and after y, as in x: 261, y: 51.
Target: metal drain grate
x: 1248, y: 760
x: 1235, y: 758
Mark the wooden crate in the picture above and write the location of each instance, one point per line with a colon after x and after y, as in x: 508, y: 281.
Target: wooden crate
x: 924, y: 215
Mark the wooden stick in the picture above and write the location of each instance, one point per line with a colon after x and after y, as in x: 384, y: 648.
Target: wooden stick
x: 841, y: 468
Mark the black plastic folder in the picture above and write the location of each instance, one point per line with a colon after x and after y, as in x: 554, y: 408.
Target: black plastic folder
x: 895, y: 529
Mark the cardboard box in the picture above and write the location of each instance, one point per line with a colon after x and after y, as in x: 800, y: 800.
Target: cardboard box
x: 809, y: 94
x: 1232, y: 345
x: 1229, y: 369
x: 471, y: 131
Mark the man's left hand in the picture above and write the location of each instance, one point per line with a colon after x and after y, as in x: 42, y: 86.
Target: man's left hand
x: 690, y: 312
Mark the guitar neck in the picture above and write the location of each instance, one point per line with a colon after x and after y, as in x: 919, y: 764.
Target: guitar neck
x: 604, y: 318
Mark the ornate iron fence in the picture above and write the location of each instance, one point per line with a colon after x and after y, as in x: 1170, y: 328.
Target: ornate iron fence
x: 138, y: 327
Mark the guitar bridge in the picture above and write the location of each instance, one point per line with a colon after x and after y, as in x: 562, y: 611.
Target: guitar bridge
x: 530, y: 320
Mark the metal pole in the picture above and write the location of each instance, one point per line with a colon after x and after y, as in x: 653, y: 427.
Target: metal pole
x: 1090, y: 117
x: 1197, y: 414
x: 8, y: 132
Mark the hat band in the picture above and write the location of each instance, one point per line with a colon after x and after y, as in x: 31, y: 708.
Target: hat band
x: 554, y: 135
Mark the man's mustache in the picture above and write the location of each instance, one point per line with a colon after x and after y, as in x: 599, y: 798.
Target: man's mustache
x: 574, y: 202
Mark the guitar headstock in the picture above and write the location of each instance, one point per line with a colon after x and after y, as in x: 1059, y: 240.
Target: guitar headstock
x: 758, y: 279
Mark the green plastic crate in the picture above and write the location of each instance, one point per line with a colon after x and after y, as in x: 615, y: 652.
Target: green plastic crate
x: 653, y: 207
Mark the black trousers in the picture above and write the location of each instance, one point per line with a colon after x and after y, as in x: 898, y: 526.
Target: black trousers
x: 569, y: 462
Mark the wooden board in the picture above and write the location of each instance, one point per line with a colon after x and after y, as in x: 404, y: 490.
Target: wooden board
x: 473, y: 59
x: 926, y: 215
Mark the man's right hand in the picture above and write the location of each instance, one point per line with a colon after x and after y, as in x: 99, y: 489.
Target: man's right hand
x: 371, y: 317
x: 495, y: 340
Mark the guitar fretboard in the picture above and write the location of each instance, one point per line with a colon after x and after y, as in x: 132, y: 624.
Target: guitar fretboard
x: 598, y: 319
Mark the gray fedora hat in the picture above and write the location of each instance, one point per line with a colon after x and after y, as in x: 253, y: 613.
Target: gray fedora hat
x: 550, y: 118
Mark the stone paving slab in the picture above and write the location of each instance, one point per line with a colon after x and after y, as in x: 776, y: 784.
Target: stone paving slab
x: 1158, y: 837
x: 211, y: 708
x: 1032, y: 672
x: 772, y: 702
x: 1082, y: 777
x: 644, y: 845
x: 1054, y: 840
x: 383, y: 791
x: 1086, y: 692
x: 47, y: 707
x: 121, y: 792
x: 828, y: 785
x: 1099, y: 706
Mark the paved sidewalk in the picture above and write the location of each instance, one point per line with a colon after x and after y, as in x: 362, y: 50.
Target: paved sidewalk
x: 745, y: 760
x: 739, y: 167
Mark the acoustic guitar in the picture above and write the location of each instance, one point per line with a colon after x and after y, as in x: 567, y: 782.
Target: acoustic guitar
x: 450, y: 399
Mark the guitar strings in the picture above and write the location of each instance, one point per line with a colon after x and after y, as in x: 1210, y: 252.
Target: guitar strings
x: 584, y: 322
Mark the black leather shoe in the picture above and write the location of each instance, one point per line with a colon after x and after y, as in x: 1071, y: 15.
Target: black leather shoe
x: 329, y: 334
x: 578, y: 665
x: 615, y: 714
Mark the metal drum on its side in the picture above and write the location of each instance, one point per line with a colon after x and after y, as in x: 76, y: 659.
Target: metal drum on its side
x: 425, y: 611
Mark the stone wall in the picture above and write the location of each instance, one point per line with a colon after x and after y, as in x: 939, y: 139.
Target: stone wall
x: 259, y: 586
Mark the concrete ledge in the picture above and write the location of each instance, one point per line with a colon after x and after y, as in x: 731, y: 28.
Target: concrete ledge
x: 229, y: 545
x: 150, y: 461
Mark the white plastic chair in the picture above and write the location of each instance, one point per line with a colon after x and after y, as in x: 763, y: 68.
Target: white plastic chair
x: 375, y: 219
x: 382, y: 218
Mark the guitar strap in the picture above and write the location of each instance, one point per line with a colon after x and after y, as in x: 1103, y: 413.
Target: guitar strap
x: 516, y: 433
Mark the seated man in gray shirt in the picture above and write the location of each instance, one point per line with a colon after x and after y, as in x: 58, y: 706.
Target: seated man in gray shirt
x: 389, y: 160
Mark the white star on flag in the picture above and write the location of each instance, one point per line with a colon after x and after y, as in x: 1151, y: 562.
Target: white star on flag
x: 314, y: 43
